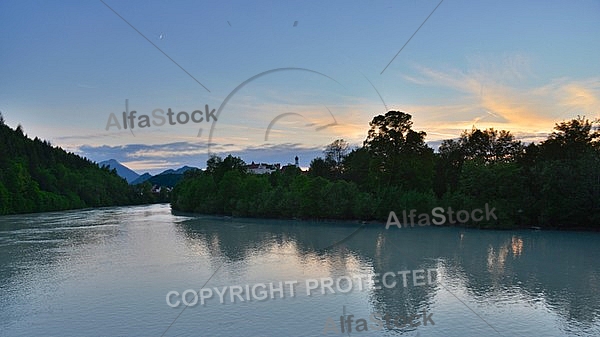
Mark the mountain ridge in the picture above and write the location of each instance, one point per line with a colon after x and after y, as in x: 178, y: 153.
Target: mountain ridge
x: 168, y: 177
x: 123, y: 171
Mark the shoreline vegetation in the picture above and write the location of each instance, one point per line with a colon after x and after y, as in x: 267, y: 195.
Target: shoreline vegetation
x: 38, y: 177
x: 551, y: 185
x: 382, y: 224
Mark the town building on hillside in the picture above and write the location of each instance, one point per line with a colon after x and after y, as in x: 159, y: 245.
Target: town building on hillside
x: 295, y: 166
x: 262, y: 168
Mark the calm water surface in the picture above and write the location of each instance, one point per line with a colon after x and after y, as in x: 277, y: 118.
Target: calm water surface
x: 107, y: 272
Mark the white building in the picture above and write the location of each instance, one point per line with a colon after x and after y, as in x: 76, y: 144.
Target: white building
x: 262, y: 168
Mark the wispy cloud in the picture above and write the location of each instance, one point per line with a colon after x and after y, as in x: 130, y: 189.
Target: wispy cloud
x: 500, y: 92
x: 502, y: 96
x: 157, y: 158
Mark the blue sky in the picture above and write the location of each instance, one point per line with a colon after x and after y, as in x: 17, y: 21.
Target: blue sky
x: 514, y: 65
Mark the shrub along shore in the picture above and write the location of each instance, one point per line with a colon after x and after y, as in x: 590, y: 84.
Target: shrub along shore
x: 553, y: 184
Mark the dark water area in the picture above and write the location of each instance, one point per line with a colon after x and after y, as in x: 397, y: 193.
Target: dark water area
x: 108, y: 272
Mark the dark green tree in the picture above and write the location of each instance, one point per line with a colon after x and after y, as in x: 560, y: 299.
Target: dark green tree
x: 400, y: 155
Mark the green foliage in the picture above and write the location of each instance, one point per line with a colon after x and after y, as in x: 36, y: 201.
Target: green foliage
x: 399, y: 155
x: 36, y: 177
x: 320, y: 167
x: 555, y: 184
x: 217, y: 166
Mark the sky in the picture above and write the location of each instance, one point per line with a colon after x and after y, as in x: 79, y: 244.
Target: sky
x: 286, y: 78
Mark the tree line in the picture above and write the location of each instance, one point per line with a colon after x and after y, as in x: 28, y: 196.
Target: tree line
x: 37, y: 177
x: 553, y: 184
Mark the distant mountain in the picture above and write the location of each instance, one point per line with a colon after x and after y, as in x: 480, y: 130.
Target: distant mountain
x: 169, y: 171
x: 167, y: 178
x: 180, y: 170
x: 122, y: 170
x: 38, y: 177
x: 141, y: 179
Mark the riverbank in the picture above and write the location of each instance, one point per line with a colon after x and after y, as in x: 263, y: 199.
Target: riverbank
x: 383, y: 224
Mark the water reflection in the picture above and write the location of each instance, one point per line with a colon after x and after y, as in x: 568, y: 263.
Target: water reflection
x: 556, y: 268
x: 517, y: 246
x: 117, y: 264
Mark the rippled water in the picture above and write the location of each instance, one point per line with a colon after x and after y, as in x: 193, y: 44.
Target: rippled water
x: 107, y: 272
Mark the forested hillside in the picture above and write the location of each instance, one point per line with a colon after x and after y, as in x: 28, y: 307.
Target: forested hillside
x: 552, y: 184
x: 37, y: 177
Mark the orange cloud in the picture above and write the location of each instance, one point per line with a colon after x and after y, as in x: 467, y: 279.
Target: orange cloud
x: 493, y: 97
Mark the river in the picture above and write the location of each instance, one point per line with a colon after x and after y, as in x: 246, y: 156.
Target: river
x: 122, y: 271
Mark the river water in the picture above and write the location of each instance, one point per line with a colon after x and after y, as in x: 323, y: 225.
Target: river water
x: 107, y: 272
